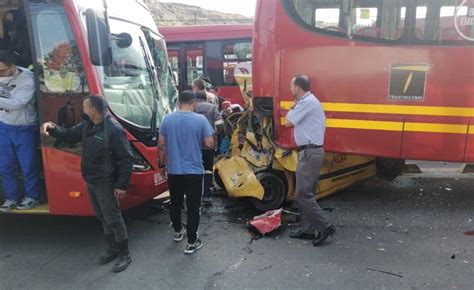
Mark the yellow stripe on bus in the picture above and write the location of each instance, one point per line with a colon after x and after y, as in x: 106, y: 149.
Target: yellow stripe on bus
x: 397, y: 126
x: 363, y: 124
x: 392, y: 109
x: 436, y: 128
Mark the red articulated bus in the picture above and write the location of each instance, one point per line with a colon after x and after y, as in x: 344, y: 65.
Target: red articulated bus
x: 82, y: 47
x: 213, y: 50
x: 224, y: 53
x: 396, y: 78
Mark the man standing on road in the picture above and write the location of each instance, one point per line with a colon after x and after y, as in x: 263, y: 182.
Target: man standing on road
x: 18, y: 134
x: 309, y: 122
x: 182, y: 135
x: 212, y: 115
x: 200, y: 85
x: 106, y: 166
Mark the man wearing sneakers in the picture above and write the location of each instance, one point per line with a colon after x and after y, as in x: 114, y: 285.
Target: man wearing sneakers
x: 309, y: 122
x: 18, y: 134
x: 183, y: 134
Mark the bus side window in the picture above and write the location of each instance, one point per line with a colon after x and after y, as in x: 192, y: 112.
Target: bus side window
x: 365, y: 23
x: 235, y: 53
x: 194, y: 63
x: 364, y: 19
x: 328, y: 18
x: 174, y: 62
x: 58, y: 53
x: 379, y: 19
x: 436, y: 21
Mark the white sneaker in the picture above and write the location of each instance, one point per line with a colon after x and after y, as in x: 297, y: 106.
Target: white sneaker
x: 193, y: 248
x: 179, y: 236
x: 27, y: 203
x: 8, y: 205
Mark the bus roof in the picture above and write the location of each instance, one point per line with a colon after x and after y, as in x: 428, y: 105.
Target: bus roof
x: 206, y: 32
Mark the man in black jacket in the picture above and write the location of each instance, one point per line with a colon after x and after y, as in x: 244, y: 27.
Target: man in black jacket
x: 106, y: 167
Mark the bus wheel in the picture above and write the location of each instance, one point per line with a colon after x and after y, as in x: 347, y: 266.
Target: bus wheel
x: 274, y: 186
x: 389, y: 169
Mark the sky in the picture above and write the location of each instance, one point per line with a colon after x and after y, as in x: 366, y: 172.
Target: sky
x: 242, y: 7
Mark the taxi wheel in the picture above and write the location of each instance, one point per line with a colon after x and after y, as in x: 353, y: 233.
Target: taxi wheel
x: 274, y: 185
x: 218, y: 180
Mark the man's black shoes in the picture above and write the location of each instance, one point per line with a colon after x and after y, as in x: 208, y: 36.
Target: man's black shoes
x: 301, y: 235
x: 323, y: 236
x: 111, y: 253
x: 124, y: 257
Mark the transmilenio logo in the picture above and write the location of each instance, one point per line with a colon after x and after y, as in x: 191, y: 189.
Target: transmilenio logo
x: 464, y: 24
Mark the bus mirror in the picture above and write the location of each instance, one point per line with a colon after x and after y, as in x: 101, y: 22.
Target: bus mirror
x: 124, y: 40
x: 98, y: 37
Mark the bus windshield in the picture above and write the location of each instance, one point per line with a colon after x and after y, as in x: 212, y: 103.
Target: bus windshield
x: 127, y: 81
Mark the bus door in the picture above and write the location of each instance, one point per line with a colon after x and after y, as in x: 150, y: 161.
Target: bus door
x: 62, y: 86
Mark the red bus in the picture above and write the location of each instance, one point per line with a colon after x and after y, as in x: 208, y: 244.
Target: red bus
x: 213, y: 50
x: 82, y: 47
x: 396, y: 78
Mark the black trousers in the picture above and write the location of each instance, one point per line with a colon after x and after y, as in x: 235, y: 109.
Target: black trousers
x: 107, y: 209
x: 190, y: 185
x: 208, y: 164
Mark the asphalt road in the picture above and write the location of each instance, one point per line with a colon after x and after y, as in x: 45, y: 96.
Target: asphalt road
x: 405, y: 234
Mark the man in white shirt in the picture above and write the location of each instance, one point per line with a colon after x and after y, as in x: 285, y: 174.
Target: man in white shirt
x: 309, y: 122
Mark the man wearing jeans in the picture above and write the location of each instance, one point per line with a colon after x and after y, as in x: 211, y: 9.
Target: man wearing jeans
x: 18, y: 134
x: 182, y: 136
x: 309, y: 122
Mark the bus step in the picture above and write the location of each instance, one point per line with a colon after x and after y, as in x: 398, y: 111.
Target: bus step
x: 41, y: 209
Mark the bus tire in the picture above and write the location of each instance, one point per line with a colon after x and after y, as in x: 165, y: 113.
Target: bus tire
x: 275, y: 189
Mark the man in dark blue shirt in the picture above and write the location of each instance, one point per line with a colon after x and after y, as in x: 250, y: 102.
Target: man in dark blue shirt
x: 183, y: 135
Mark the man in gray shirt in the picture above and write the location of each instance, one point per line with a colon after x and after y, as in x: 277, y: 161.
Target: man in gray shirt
x: 212, y: 115
x: 309, y: 122
x: 18, y: 134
